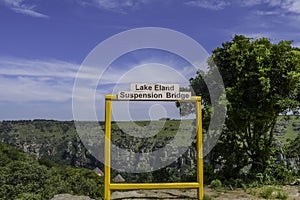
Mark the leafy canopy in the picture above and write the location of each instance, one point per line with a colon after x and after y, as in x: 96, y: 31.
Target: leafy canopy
x: 262, y: 80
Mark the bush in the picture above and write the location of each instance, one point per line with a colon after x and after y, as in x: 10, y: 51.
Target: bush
x: 215, y: 184
x: 273, y: 193
x: 209, y: 173
x: 267, y: 192
x: 207, y: 197
x: 29, y: 196
x: 281, y: 195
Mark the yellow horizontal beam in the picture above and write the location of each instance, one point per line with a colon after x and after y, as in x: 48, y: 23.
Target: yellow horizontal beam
x: 149, y: 186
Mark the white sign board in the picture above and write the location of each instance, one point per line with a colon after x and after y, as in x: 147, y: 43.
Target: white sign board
x: 142, y: 87
x: 129, y: 95
x: 145, y: 91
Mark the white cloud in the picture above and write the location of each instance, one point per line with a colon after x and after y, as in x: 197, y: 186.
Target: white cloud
x: 50, y: 82
x: 250, y: 2
x: 296, y: 44
x: 25, y: 89
x: 29, y: 12
x: 264, y: 13
x: 19, y: 6
x: 115, y: 5
x: 291, y: 6
x: 24, y: 80
x: 209, y: 4
x: 39, y: 68
x: 258, y: 2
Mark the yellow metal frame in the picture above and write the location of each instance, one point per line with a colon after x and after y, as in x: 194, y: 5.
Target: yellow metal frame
x: 108, y: 186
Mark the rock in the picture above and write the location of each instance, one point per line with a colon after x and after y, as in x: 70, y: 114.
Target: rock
x: 70, y: 197
x: 98, y: 171
x: 118, y: 179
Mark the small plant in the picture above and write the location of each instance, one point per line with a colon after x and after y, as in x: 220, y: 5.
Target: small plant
x: 252, y: 191
x: 254, y: 184
x: 260, y: 177
x: 244, y: 186
x: 207, y: 197
x: 267, y: 192
x: 216, y: 184
x: 281, y: 195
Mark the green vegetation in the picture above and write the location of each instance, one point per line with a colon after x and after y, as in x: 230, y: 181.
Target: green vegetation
x: 63, y: 146
x: 207, y: 197
x: 262, y: 81
x: 269, y: 192
x: 216, y: 184
x: 24, y: 177
x: 281, y: 195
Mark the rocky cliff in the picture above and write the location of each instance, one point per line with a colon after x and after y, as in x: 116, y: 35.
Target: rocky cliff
x: 59, y: 142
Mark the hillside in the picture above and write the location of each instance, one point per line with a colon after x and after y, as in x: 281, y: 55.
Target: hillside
x: 53, y: 140
x: 287, y: 128
x: 59, y: 142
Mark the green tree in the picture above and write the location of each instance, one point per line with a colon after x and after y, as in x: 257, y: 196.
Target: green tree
x: 262, y: 80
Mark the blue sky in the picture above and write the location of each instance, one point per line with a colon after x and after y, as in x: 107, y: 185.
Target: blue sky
x: 43, y: 43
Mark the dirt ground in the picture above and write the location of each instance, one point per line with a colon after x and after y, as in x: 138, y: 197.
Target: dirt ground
x: 185, y: 194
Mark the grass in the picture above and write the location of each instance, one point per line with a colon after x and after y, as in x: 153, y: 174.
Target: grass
x: 281, y: 195
x: 268, y: 192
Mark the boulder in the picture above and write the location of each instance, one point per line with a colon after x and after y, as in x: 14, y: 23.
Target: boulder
x: 70, y: 197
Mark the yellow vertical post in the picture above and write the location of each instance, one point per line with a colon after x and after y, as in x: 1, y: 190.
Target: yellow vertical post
x: 199, y: 149
x: 108, y: 102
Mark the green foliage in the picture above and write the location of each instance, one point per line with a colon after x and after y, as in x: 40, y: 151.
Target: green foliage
x: 267, y: 192
x: 262, y: 80
x: 209, y: 173
x: 216, y: 184
x: 207, y: 197
x: 281, y: 195
x: 23, y: 177
x: 273, y: 193
x: 28, y: 196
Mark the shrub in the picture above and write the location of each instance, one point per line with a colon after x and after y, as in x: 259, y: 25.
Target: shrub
x: 244, y: 186
x: 281, y: 195
x: 254, y: 184
x: 216, y: 183
x: 267, y: 192
x: 207, y: 197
